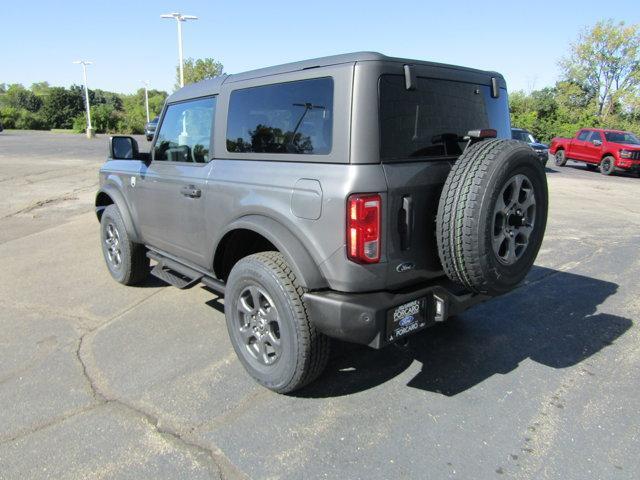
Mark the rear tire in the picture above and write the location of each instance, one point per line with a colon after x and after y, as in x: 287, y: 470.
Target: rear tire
x: 492, y: 216
x: 127, y: 261
x: 607, y: 165
x: 269, y: 326
x: 560, y: 158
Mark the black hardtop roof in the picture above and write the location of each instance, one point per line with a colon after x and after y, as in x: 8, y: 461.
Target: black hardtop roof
x: 212, y: 86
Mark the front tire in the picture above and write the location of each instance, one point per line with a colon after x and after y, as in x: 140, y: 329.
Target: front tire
x: 127, y: 261
x: 560, y: 158
x: 268, y: 324
x: 607, y: 165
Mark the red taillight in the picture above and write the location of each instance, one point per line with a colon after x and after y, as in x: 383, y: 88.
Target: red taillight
x: 363, y: 228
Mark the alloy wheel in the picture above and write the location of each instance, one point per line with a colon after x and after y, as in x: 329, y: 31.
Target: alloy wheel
x: 113, y: 246
x: 259, y: 325
x: 513, y: 219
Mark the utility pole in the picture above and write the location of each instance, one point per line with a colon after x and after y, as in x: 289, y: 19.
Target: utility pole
x: 84, y: 63
x: 179, y: 19
x: 146, y: 97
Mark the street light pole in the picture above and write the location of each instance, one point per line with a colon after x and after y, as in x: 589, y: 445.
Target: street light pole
x: 179, y: 19
x: 84, y: 63
x: 146, y: 97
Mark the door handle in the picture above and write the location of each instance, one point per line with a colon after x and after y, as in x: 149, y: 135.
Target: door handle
x: 405, y: 222
x: 191, y: 191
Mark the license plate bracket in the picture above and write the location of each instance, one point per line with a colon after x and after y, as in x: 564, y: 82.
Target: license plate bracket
x: 407, y: 318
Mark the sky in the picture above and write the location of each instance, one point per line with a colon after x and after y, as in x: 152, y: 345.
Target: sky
x: 128, y: 42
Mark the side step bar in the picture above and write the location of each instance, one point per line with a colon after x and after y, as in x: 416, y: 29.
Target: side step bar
x: 180, y: 275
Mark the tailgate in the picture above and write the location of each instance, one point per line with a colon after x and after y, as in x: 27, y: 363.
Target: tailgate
x: 412, y: 204
x: 422, y: 132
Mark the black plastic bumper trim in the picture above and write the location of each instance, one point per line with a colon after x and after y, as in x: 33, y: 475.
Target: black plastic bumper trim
x: 361, y: 317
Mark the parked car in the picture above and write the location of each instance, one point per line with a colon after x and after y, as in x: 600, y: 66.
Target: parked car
x: 358, y: 196
x: 1, y: 127
x: 526, y: 136
x: 150, y: 128
x: 609, y: 150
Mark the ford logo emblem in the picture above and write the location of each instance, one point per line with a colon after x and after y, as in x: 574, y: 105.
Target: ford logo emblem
x: 405, y: 267
x: 408, y: 320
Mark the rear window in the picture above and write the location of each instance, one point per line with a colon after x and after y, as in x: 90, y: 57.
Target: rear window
x: 290, y: 118
x: 431, y: 121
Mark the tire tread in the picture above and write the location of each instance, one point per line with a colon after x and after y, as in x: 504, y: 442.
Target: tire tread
x: 314, y: 347
x: 457, y: 218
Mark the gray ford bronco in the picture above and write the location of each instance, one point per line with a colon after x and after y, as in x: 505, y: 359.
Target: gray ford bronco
x: 358, y: 196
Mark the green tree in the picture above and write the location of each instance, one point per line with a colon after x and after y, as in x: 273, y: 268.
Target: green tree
x: 61, y: 106
x: 104, y: 118
x: 99, y: 97
x: 197, y: 70
x: 135, y: 116
x: 19, y: 97
x: 40, y: 88
x: 605, y: 61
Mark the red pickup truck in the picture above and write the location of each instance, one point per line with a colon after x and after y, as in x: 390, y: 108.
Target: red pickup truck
x: 608, y: 150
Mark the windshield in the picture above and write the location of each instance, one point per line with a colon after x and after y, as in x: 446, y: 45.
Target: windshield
x: 622, y: 137
x: 432, y: 120
x: 523, y: 136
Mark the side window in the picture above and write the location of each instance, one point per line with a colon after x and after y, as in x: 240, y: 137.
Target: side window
x: 185, y: 132
x: 583, y: 135
x: 293, y: 117
x: 595, y: 136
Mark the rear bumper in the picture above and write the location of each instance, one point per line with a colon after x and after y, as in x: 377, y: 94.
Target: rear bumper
x: 362, y: 317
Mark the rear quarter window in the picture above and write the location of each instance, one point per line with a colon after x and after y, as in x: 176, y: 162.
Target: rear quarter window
x: 431, y: 121
x: 285, y: 118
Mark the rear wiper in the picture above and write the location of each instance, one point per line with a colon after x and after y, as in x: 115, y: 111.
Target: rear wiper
x: 307, y: 106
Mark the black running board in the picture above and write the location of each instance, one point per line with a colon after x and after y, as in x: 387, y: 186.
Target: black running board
x: 179, y: 275
x: 172, y: 277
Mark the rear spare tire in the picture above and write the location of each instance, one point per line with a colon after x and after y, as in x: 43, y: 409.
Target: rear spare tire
x: 492, y: 216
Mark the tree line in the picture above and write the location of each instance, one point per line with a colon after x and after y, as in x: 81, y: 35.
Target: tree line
x: 45, y: 107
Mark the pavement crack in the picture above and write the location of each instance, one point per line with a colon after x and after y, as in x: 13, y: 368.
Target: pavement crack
x: 50, y: 201
x: 103, y: 394
x: 95, y: 391
x: 50, y: 423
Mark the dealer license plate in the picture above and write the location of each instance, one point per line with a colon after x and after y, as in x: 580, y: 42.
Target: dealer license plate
x: 406, y: 319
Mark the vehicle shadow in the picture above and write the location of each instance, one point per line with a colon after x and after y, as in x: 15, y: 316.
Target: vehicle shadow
x: 151, y: 282
x: 551, y: 319
x: 584, y: 168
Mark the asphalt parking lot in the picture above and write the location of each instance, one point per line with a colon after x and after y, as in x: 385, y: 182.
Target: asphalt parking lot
x: 98, y: 380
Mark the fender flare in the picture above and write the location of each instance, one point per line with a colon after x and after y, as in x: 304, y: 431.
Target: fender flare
x: 609, y: 154
x: 297, y: 256
x: 119, y: 201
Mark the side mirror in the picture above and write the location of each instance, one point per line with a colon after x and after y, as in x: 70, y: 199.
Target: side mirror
x: 597, y: 143
x: 123, y: 148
